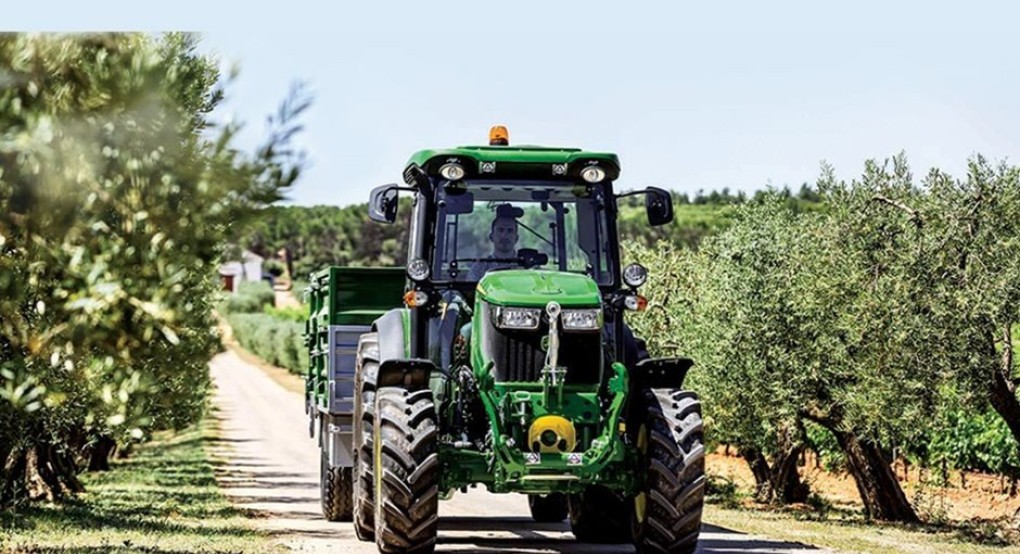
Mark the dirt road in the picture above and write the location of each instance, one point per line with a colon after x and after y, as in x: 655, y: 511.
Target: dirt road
x: 271, y: 466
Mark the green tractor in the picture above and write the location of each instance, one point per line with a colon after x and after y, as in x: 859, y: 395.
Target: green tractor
x: 509, y: 363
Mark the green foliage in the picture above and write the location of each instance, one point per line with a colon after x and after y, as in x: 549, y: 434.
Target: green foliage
x: 116, y: 191
x: 321, y: 236
x: 975, y: 440
x: 274, y: 268
x: 249, y: 298
x: 298, y: 315
x: 824, y: 445
x: 277, y: 341
x: 879, y: 313
x: 274, y: 334
x: 722, y: 490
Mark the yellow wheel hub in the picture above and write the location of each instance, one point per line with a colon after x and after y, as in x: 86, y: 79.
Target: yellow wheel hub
x: 552, y: 433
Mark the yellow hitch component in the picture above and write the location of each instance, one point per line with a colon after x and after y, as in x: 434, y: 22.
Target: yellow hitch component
x: 552, y: 433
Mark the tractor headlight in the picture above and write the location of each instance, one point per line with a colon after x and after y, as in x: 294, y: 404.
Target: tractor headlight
x: 581, y: 320
x: 518, y: 318
x: 593, y: 174
x: 635, y: 275
x: 452, y: 171
x: 418, y: 270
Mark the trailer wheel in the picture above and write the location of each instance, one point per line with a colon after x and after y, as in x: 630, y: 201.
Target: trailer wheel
x: 551, y: 508
x: 336, y: 490
x: 364, y: 408
x: 599, y: 515
x: 406, y: 471
x: 667, y: 514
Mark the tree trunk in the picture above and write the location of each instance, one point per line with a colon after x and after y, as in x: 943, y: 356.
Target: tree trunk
x: 762, y: 474
x: 881, y: 493
x: 1002, y: 390
x: 12, y: 486
x: 100, y: 453
x: 779, y: 481
x: 38, y: 472
x: 786, y: 483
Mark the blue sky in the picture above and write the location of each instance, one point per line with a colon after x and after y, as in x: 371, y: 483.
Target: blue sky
x: 692, y: 96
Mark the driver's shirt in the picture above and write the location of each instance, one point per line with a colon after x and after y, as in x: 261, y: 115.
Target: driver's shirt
x: 479, y: 269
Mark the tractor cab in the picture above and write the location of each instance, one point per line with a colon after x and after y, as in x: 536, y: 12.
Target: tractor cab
x: 483, y: 208
x: 483, y: 214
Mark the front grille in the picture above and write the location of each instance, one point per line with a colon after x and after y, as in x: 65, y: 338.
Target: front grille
x: 521, y: 358
x: 518, y: 355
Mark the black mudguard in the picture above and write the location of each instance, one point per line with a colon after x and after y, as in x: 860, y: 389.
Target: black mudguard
x: 660, y: 373
x: 392, y: 341
x: 397, y: 368
x: 408, y: 373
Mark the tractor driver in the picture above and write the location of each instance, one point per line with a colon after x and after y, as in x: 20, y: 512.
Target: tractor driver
x: 503, y: 234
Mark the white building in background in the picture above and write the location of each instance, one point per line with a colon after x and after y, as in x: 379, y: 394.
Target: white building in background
x: 247, y: 270
x: 252, y: 263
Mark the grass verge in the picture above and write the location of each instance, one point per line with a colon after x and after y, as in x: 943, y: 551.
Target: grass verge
x: 848, y: 532
x: 163, y: 499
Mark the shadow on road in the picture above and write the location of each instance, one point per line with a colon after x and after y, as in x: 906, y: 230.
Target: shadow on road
x: 534, y: 538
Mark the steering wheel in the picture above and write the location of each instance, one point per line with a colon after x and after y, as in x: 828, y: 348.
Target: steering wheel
x: 526, y: 257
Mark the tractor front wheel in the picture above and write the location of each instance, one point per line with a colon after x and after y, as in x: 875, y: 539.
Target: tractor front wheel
x: 551, y: 508
x: 406, y: 470
x: 666, y: 518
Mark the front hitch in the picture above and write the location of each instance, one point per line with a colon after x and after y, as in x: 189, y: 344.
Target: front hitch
x: 553, y: 376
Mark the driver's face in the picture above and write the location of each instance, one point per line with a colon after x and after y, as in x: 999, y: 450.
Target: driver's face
x: 504, y: 235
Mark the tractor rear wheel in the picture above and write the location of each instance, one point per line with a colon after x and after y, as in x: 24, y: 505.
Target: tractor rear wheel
x: 406, y: 470
x: 335, y: 489
x: 599, y: 515
x: 667, y: 513
x: 366, y: 371
x: 550, y: 508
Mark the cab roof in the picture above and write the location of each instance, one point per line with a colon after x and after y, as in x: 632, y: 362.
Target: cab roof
x: 514, y: 161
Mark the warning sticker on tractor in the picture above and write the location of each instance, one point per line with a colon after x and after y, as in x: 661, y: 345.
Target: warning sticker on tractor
x: 575, y: 459
x: 532, y: 458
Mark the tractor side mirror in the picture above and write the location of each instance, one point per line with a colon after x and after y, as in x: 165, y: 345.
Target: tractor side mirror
x: 659, y: 206
x: 382, y: 204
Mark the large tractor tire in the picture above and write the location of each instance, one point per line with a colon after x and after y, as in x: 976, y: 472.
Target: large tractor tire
x: 667, y: 513
x: 364, y: 408
x: 406, y: 471
x: 551, y: 508
x: 599, y: 515
x: 336, y: 486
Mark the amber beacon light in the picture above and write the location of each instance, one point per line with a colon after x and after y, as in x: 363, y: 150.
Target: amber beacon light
x: 499, y: 136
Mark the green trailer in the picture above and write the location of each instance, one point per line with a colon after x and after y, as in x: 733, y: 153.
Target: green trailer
x: 501, y: 356
x: 343, y: 303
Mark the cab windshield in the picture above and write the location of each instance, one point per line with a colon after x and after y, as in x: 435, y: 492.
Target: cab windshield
x: 493, y: 225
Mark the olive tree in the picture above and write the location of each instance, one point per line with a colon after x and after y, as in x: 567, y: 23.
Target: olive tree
x: 116, y: 191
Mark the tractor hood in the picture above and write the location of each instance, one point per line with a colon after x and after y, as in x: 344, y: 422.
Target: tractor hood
x: 536, y: 288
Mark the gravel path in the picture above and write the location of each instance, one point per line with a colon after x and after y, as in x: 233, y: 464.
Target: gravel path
x: 270, y: 466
